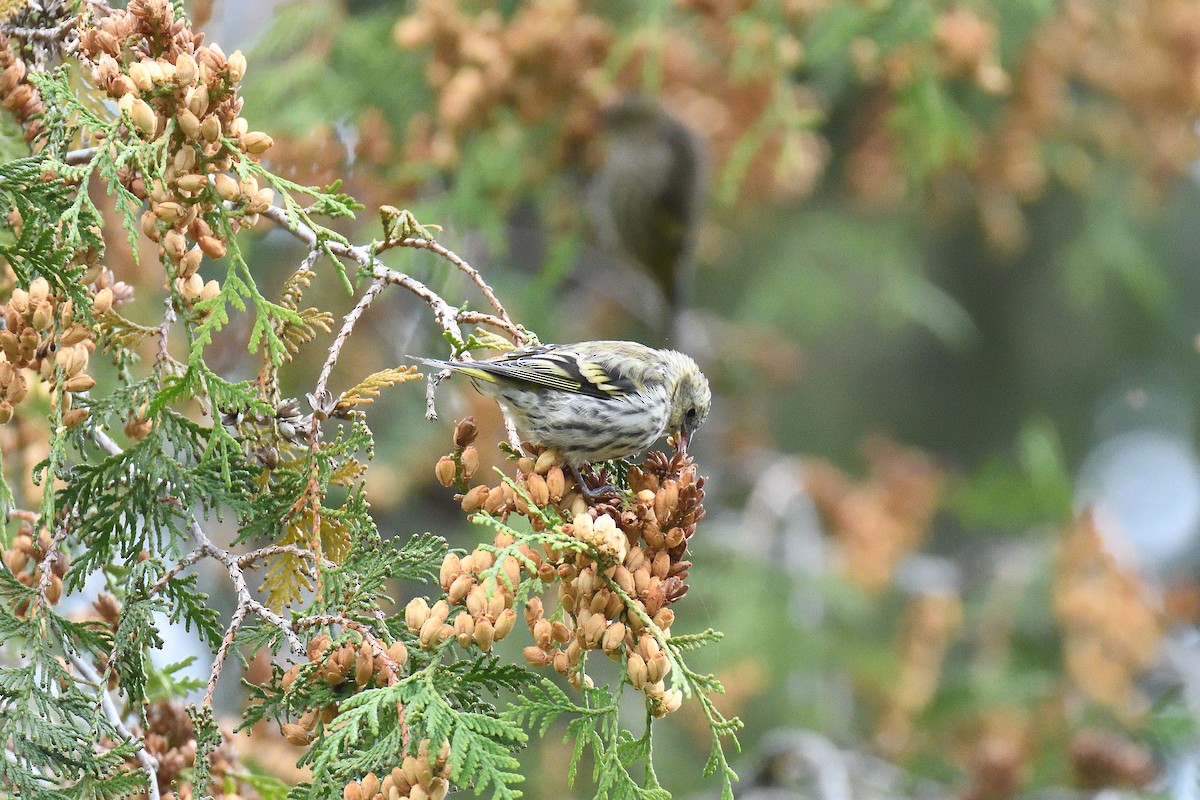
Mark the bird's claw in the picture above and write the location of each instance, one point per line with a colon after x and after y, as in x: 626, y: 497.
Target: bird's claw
x: 593, y: 494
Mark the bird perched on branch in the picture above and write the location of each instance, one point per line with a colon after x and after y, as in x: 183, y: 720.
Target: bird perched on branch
x: 593, y: 401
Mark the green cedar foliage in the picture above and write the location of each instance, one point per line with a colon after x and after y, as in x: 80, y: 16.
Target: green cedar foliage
x: 131, y: 512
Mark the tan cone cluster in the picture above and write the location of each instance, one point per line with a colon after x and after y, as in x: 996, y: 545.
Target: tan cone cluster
x: 419, y: 777
x: 545, y: 60
x: 17, y: 94
x: 25, y: 558
x: 632, y: 571
x: 349, y: 667
x: 460, y: 466
x: 42, y: 338
x: 1111, y: 629
x: 169, y: 737
x: 160, y: 72
x: 640, y: 550
x: 487, y: 616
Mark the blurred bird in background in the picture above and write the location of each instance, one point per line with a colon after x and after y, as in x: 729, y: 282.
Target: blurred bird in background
x: 645, y: 202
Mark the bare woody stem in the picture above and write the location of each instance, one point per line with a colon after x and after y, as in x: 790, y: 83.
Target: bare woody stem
x: 447, y: 316
x: 457, y: 261
x: 149, y: 763
x: 234, y: 566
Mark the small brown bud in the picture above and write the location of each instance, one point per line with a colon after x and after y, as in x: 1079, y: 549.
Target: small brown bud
x: 559, y: 632
x: 614, y: 637
x: 464, y: 628
x: 257, y: 142
x: 495, y: 499
x: 594, y: 630
x: 537, y: 657
x: 475, y: 498
x: 451, y: 569
x: 556, y: 484
x: 140, y: 76
x: 174, y: 245
x: 664, y: 618
x: 190, y: 262
x: 505, y: 623
x: 661, y: 565
x: 364, y: 667
x: 546, y: 460
x: 398, y: 653
x: 485, y: 634
x: 189, y: 123
x: 143, y: 116
x: 74, y: 417
x: 542, y: 630
x: 459, y: 588
x: 296, y: 734
x: 470, y: 461
x: 635, y: 669
x: 102, y: 301
x: 465, y: 432
x: 16, y: 560
x: 477, y: 601
x: 80, y: 383
x: 212, y: 246
x: 533, y: 610
x: 210, y: 128
x: 150, y: 226
x: 262, y: 199
x: 539, y: 491
x: 227, y: 186
x: 43, y: 316
x: 191, y: 182
x: 416, y: 613
x: 210, y: 290
x: 430, y: 631
x: 318, y: 647
x: 185, y: 69
x: 236, y: 65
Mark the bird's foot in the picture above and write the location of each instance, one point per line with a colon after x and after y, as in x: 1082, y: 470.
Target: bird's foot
x: 594, y: 493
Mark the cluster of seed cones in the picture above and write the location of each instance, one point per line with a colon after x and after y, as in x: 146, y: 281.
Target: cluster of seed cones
x: 347, y: 668
x: 612, y: 594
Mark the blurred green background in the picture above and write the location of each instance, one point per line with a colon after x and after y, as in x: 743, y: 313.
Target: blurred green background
x: 944, y: 284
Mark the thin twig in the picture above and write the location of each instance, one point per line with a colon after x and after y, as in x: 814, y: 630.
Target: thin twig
x: 446, y: 315
x: 54, y: 34
x: 246, y: 604
x: 149, y: 763
x: 275, y: 549
x: 472, y: 273
x: 47, y: 563
x: 335, y: 349
x: 235, y: 624
x: 164, y: 330
x: 81, y: 156
x: 180, y: 566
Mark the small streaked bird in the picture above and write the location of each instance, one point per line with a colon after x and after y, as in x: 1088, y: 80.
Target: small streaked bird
x: 593, y: 401
x: 646, y: 199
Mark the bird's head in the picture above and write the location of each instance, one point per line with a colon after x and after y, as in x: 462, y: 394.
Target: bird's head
x: 690, y: 399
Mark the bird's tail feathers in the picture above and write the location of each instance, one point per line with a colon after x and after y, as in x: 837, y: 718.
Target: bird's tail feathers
x: 465, y: 367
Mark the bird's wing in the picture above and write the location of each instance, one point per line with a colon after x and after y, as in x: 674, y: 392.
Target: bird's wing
x: 556, y: 367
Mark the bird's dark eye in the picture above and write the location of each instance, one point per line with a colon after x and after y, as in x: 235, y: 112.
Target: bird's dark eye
x: 691, y: 413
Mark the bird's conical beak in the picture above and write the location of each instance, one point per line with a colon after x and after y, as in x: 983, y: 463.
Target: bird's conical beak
x: 681, y: 440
